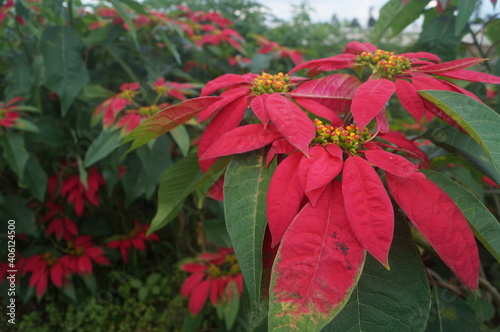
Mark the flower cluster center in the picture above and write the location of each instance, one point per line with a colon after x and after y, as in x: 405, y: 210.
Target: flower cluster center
x: 267, y: 83
x: 385, y: 63
x: 49, y: 258
x: 347, y: 137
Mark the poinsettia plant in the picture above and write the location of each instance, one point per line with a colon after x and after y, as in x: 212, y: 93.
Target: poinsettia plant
x: 318, y: 182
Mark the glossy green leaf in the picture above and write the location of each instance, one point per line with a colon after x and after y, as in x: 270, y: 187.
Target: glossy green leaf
x: 102, y: 146
x: 438, y: 37
x: 65, y: 71
x: 177, y: 182
x: 35, y: 178
x: 450, y: 313
x: 484, y: 225
x: 477, y: 119
x: 167, y: 119
x: 395, y: 300
x: 245, y: 188
x: 396, y: 16
x: 453, y: 140
x: 126, y: 17
x: 15, y: 152
x: 465, y: 10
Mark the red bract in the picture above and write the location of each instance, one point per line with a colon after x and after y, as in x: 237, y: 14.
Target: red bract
x: 404, y: 74
x: 279, y: 51
x: 211, y: 274
x: 173, y: 89
x: 82, y: 252
x: 134, y: 239
x: 43, y: 267
x: 59, y: 223
x: 73, y: 189
x: 8, y: 114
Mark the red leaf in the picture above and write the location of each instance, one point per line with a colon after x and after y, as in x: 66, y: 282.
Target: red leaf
x: 335, y: 62
x: 356, y: 47
x: 57, y: 274
x: 369, y: 99
x: 320, y: 110
x: 242, y: 139
x: 421, y: 55
x: 437, y: 217
x: 444, y: 67
x: 258, y: 105
x: 226, y: 98
x: 190, y: 283
x: 410, y: 99
x: 368, y: 207
x: 228, y: 118
x: 283, y: 197
x: 431, y: 83
x: 472, y: 76
x: 382, y: 122
x: 291, y: 122
x: 401, y: 141
x: 279, y: 146
x: 226, y: 81
x: 320, y: 169
x: 199, y: 297
x: 166, y: 120
x: 333, y: 91
x: 393, y: 164
x: 317, y: 267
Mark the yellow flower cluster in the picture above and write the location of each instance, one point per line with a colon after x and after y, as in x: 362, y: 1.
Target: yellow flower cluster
x: 384, y: 62
x: 267, y: 83
x: 348, y: 138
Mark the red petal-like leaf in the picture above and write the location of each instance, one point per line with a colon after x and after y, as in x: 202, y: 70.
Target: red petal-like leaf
x: 394, y: 164
x: 194, y: 267
x: 199, y: 297
x: 279, y: 146
x: 333, y: 91
x: 382, y: 122
x: 166, y: 120
x: 317, y: 266
x: 441, y: 222
x: 401, y: 141
x: 227, y: 98
x: 335, y: 62
x: 472, y: 76
x: 242, y: 139
x: 320, y: 110
x: 226, y: 81
x: 410, y: 99
x: 291, y: 122
x: 258, y: 106
x: 449, y: 66
x: 321, y: 168
x: 356, y: 47
x: 369, y: 99
x: 228, y: 118
x: 190, y: 283
x: 368, y: 207
x: 283, y: 197
x: 421, y: 55
x: 57, y: 274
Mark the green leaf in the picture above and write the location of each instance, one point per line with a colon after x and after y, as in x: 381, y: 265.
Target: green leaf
x: 484, y: 225
x: 245, y: 188
x: 35, y: 178
x: 438, y: 37
x: 492, y: 31
x: 25, y: 125
x: 118, y: 55
x: 465, y: 10
x: 136, y: 6
x: 477, y: 119
x: 102, y: 146
x: 155, y: 160
x: 181, y: 137
x: 134, y: 180
x: 65, y: 71
x: 94, y: 91
x: 451, y: 139
x: 20, y: 78
x: 232, y: 304
x: 170, y: 46
x: 177, y: 182
x: 15, y: 152
x: 167, y: 119
x: 126, y: 17
x: 216, y: 232
x: 398, y: 298
x: 396, y: 16
x: 450, y: 313
x: 16, y: 208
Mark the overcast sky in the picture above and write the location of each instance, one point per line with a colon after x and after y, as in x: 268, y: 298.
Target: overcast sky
x: 349, y: 9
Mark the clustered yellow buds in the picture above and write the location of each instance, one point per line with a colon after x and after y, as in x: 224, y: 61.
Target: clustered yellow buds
x: 348, y: 138
x: 385, y: 63
x: 49, y: 258
x: 128, y: 94
x: 74, y: 250
x: 214, y: 270
x: 267, y: 83
x: 148, y: 110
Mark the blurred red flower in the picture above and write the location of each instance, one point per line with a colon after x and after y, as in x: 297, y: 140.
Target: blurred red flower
x: 134, y: 239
